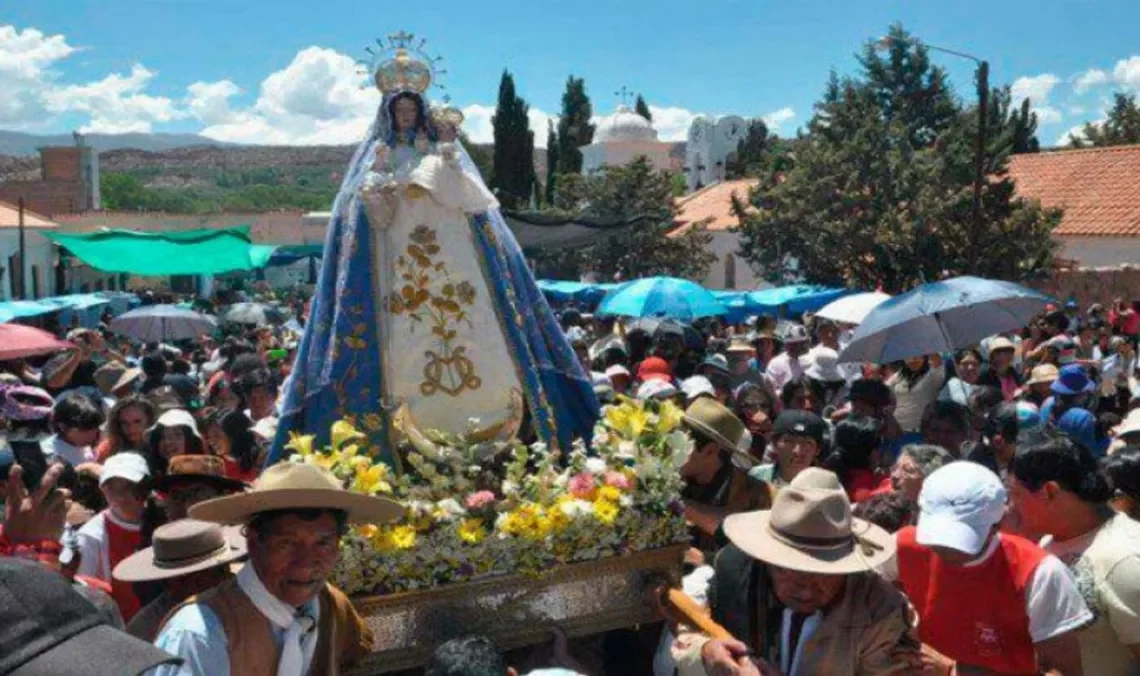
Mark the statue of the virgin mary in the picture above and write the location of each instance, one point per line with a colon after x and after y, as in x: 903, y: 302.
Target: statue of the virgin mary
x: 425, y: 309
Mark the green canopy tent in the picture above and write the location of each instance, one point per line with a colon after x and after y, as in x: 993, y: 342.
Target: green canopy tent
x: 187, y: 252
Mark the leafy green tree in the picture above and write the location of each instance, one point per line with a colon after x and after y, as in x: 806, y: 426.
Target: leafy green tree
x: 642, y: 109
x: 121, y: 191
x: 513, y: 154
x: 624, y: 193
x: 879, y: 192
x: 1122, y: 126
x: 574, y: 128
x: 551, y: 163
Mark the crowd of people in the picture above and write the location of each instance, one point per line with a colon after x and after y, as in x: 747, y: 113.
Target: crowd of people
x: 951, y: 513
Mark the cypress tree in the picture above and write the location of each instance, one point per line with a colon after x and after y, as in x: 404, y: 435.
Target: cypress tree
x: 574, y: 128
x: 642, y: 109
x: 551, y: 162
x: 513, y: 159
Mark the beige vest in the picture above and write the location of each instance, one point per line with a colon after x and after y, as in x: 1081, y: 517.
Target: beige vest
x: 342, y: 636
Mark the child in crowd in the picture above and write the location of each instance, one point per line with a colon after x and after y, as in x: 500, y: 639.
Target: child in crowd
x: 75, y: 421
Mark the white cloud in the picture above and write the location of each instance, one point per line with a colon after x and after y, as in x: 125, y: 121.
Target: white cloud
x: 210, y: 101
x: 672, y: 123
x: 1037, y: 88
x: 477, y: 124
x: 1089, y: 79
x: 26, y: 60
x: 116, y: 104
x: 1127, y: 72
x: 1076, y: 110
x: 776, y: 119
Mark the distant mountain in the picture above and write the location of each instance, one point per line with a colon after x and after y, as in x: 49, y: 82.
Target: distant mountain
x: 21, y: 144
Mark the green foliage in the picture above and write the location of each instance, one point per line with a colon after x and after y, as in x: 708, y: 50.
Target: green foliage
x: 513, y: 164
x: 753, y: 152
x: 1121, y: 128
x: 621, y: 194
x: 551, y: 163
x: 642, y: 109
x: 574, y: 128
x: 480, y: 155
x: 252, y: 191
x: 878, y: 192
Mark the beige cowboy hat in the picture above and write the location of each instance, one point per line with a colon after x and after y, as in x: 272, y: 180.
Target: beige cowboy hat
x: 719, y: 424
x: 1042, y: 374
x: 810, y: 529
x: 112, y: 376
x: 180, y: 548
x: 289, y: 485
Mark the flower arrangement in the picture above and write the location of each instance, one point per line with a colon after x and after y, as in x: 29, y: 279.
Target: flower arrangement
x: 482, y: 509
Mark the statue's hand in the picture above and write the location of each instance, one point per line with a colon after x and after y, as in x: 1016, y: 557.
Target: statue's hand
x: 379, y: 200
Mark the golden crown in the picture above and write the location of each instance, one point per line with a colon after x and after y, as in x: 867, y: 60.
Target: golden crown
x: 402, y: 65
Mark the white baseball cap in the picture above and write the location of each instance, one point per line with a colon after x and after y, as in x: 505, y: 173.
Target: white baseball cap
x: 618, y: 370
x: 696, y: 386
x: 129, y: 466
x: 656, y: 389
x: 959, y: 505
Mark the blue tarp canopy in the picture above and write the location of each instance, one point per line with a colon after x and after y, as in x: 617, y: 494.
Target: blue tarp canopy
x: 285, y: 255
x: 792, y: 300
x: 87, y: 306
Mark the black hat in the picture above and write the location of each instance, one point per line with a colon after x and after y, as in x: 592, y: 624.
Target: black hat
x: 874, y: 392
x: 800, y: 424
x: 46, y: 627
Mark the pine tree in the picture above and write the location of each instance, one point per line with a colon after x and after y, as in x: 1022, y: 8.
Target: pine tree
x: 1121, y: 128
x: 513, y: 159
x: 642, y: 109
x: 574, y: 128
x: 880, y: 191
x: 551, y: 162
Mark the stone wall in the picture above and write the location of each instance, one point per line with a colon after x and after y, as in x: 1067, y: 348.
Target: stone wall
x: 1096, y: 285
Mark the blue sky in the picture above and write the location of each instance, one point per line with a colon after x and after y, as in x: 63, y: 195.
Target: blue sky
x: 281, y: 72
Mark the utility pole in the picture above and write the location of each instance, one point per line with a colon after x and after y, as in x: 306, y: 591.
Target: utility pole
x: 23, y: 249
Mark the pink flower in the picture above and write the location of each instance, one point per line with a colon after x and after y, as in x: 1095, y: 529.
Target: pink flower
x: 618, y: 481
x: 582, y: 486
x: 479, y: 500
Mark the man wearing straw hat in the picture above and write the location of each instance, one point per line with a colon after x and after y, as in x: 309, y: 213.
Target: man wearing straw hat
x: 797, y: 588
x: 278, y: 615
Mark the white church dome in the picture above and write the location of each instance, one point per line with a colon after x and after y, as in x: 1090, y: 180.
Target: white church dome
x: 624, y: 125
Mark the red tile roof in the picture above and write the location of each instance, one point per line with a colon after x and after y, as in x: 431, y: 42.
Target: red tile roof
x: 713, y: 202
x: 10, y: 218
x: 1099, y: 188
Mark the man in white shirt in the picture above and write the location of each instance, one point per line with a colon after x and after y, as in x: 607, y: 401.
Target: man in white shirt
x: 785, y: 367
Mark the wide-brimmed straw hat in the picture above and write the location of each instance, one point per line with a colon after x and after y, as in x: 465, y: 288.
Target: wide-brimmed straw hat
x: 1042, y: 374
x: 197, y: 468
x: 112, y: 376
x: 810, y: 529
x: 718, y: 423
x: 289, y: 485
x: 180, y: 548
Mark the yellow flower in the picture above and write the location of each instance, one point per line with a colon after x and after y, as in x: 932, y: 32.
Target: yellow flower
x: 668, y: 417
x: 323, y: 460
x: 404, y: 537
x: 368, y: 530
x: 343, y: 432
x: 371, y: 480
x: 608, y: 494
x: 606, y: 511
x: 301, y: 444
x: 471, y: 531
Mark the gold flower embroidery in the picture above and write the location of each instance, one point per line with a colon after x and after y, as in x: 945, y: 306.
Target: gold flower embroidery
x: 447, y: 370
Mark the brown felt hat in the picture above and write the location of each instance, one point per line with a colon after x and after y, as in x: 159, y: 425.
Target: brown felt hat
x: 718, y: 423
x: 180, y: 548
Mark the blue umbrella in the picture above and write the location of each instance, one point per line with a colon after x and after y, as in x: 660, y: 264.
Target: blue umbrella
x: 662, y: 297
x: 942, y: 317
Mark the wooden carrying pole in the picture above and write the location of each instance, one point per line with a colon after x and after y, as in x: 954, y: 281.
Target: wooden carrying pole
x: 695, y: 615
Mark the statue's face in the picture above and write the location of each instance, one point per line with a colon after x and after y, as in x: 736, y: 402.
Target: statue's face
x: 405, y: 111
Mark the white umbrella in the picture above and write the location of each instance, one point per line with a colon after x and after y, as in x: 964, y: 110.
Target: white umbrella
x: 157, y: 323
x: 853, y: 309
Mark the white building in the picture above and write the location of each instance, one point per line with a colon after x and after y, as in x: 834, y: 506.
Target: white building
x: 38, y: 268
x: 623, y: 137
x: 707, y: 147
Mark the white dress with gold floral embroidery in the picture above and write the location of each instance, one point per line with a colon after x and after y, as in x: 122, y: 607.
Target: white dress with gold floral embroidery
x: 445, y: 354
